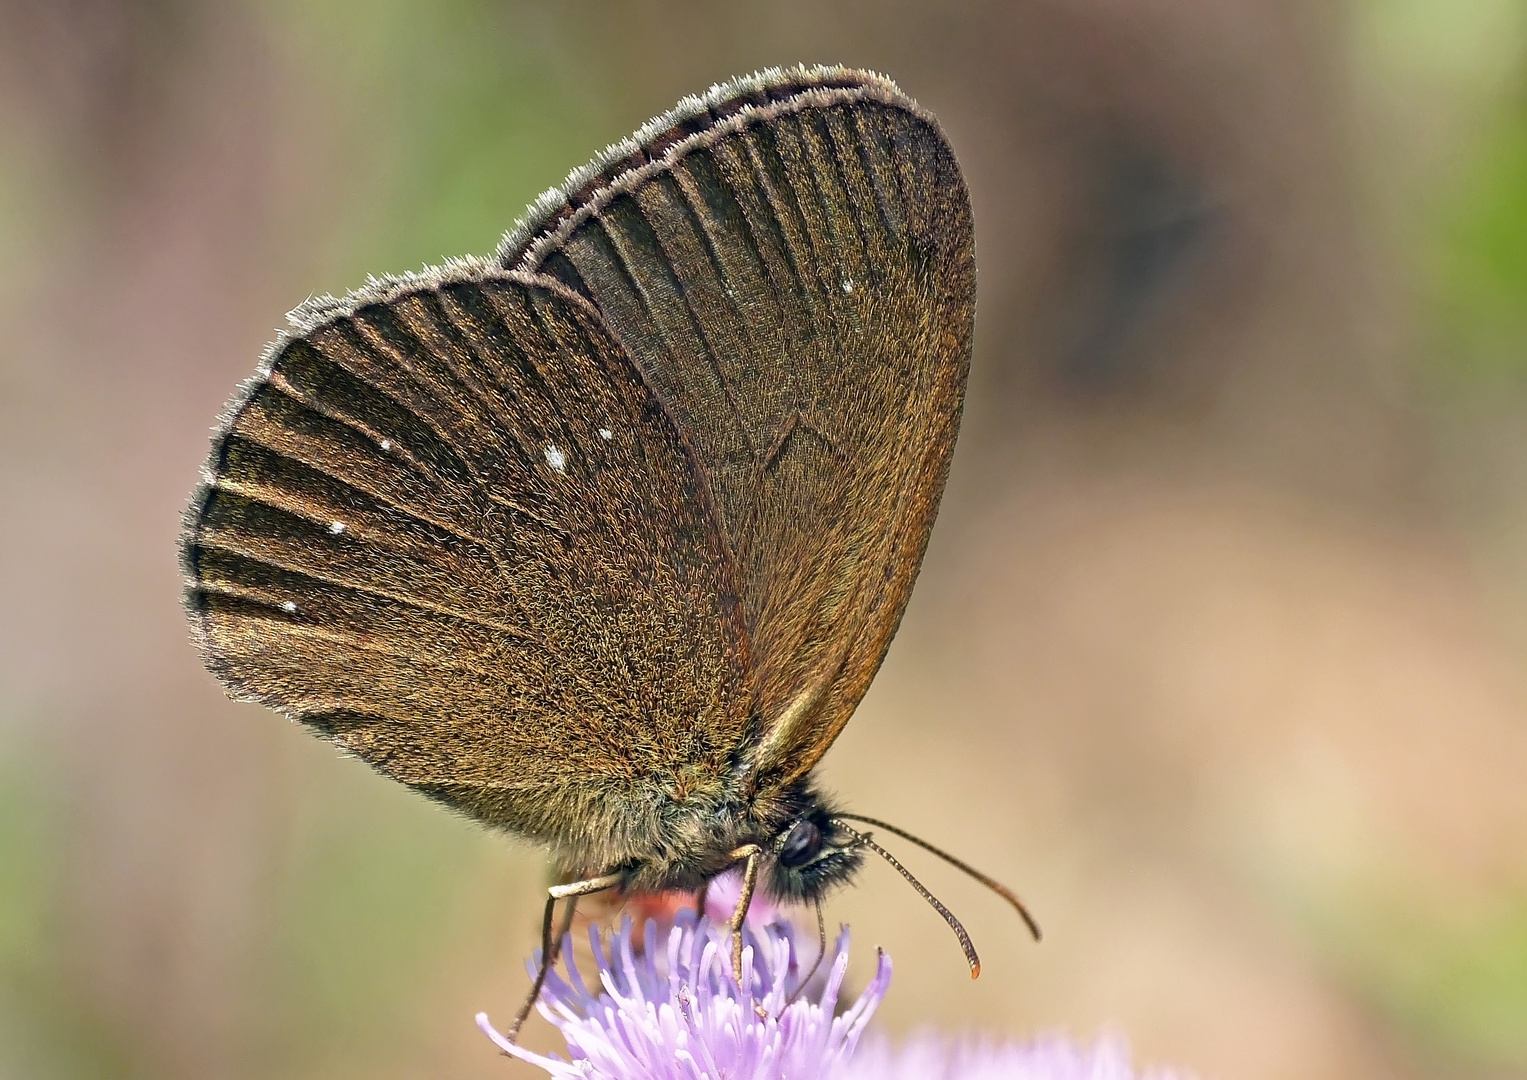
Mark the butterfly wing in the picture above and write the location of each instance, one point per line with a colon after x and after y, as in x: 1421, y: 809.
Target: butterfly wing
x: 449, y: 527
x: 790, y: 263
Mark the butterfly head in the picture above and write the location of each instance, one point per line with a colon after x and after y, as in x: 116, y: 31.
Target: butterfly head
x: 812, y: 855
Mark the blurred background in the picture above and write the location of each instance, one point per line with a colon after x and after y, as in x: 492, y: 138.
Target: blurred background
x: 1218, y: 653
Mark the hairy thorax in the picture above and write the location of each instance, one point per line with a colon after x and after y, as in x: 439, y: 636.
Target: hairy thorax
x: 661, y: 843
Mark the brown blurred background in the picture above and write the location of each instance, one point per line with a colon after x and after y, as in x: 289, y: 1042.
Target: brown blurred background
x: 1219, y: 649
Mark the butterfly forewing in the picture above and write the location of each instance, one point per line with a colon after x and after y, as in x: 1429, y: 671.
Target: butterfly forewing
x: 790, y: 264
x: 451, y: 527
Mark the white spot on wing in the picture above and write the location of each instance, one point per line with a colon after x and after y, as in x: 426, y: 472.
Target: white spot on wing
x: 289, y: 606
x: 606, y: 434
x: 386, y: 444
x: 848, y: 285
x: 336, y: 527
x: 556, y: 459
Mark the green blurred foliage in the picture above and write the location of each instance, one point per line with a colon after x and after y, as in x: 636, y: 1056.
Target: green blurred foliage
x: 1453, y: 981
x: 46, y: 1028
x: 462, y: 115
x: 28, y: 891
x: 367, y: 899
x: 1451, y: 976
x: 1481, y: 257
x: 1453, y: 74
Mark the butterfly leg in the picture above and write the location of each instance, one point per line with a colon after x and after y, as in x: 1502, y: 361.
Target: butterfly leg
x: 800, y: 986
x: 550, y: 945
x: 752, y: 853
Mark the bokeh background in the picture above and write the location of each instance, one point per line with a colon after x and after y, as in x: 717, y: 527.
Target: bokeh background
x: 1218, y: 653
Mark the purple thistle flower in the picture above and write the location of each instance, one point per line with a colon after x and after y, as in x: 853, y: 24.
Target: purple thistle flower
x: 675, y: 1012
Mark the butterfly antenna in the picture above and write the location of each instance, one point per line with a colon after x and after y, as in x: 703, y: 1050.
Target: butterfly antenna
x: 863, y: 840
x: 991, y: 883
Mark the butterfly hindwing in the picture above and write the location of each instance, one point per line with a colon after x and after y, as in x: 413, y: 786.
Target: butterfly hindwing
x: 450, y: 527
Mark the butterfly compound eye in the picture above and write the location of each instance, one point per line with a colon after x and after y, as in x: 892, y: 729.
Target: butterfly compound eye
x: 802, y: 844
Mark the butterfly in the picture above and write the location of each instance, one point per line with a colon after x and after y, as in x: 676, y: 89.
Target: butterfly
x: 602, y: 539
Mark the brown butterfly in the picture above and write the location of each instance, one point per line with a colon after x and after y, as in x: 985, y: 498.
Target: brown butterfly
x: 601, y: 541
